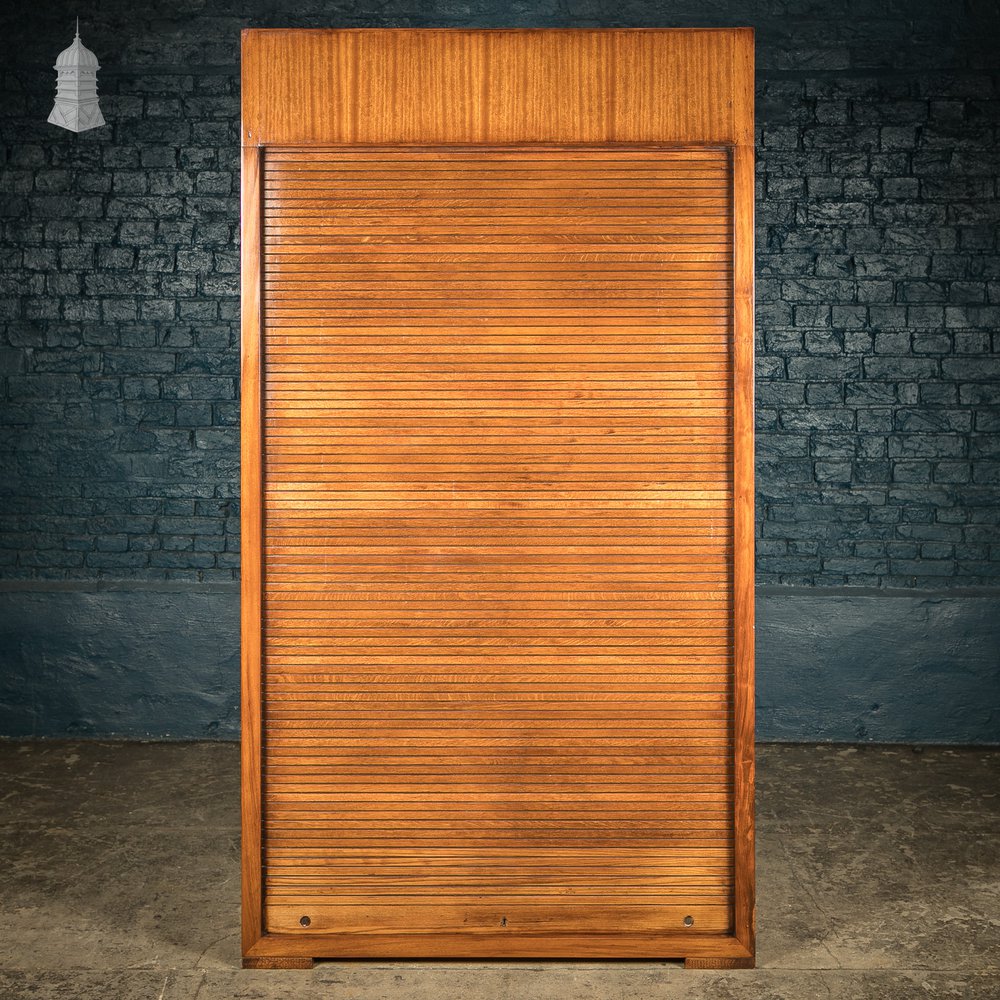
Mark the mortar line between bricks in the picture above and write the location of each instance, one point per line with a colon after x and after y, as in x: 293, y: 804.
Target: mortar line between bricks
x: 866, y: 74
x: 778, y: 590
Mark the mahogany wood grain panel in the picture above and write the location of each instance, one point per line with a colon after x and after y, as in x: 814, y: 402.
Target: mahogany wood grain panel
x: 498, y: 553
x: 454, y: 86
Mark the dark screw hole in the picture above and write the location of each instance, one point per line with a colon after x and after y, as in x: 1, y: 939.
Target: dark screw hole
x: 305, y: 921
x: 689, y: 921
x: 503, y: 921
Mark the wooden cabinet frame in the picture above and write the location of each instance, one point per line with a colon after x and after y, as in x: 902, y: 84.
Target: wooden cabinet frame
x: 547, y: 89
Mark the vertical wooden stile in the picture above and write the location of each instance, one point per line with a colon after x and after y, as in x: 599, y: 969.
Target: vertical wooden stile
x: 743, y: 539
x: 498, y: 495
x: 251, y: 530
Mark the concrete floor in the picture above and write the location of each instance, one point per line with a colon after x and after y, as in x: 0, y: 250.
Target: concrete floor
x: 878, y: 876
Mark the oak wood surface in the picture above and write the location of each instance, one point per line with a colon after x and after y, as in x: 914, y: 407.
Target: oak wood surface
x: 251, y: 531
x: 497, y: 473
x: 460, y: 678
x: 719, y: 962
x: 497, y: 87
x: 505, y: 942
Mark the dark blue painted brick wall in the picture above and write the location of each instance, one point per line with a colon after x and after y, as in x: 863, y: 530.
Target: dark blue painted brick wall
x: 878, y: 283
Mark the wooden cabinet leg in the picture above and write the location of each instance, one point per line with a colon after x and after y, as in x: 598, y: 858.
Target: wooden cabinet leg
x: 275, y: 962
x: 718, y: 963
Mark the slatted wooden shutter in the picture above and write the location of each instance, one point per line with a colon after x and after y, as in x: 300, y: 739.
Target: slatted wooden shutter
x: 496, y: 593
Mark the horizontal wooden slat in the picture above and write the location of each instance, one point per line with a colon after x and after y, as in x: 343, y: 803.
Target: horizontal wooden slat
x: 408, y: 337
x: 372, y: 918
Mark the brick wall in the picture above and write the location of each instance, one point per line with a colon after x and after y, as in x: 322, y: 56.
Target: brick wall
x: 878, y: 318
x: 120, y: 317
x: 878, y: 286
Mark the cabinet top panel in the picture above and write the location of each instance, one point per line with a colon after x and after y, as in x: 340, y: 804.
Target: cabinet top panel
x: 431, y: 86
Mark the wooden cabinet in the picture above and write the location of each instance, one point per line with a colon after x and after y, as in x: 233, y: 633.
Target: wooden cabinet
x: 497, y: 495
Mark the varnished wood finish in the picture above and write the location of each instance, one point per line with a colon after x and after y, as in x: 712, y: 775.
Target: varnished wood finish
x: 251, y: 529
x: 503, y: 524
x: 745, y: 962
x: 505, y: 943
x: 456, y: 86
x: 743, y: 543
x: 278, y: 963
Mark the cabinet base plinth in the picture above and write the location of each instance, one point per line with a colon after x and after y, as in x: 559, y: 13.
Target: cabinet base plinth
x: 276, y: 962
x: 718, y: 963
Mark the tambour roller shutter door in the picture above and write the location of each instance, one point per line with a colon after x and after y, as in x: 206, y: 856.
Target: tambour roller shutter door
x: 497, y: 560
x: 497, y: 495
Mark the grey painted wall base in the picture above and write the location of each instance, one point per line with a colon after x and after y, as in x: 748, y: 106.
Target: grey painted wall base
x: 146, y: 662
x: 885, y: 668
x: 161, y: 662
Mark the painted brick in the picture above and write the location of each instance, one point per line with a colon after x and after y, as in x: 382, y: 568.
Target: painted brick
x: 878, y: 292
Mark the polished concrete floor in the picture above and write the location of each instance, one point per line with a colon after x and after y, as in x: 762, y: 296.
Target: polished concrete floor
x: 878, y: 876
